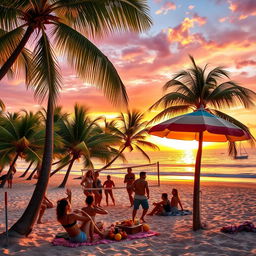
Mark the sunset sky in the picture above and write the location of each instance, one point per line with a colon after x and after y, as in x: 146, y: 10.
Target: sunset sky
x: 218, y: 32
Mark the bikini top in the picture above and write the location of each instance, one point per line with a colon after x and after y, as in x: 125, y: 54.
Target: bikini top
x: 69, y: 225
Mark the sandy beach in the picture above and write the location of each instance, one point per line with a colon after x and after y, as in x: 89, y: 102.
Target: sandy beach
x: 222, y: 204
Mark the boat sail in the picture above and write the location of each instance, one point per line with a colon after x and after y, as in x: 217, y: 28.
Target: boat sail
x: 242, y: 153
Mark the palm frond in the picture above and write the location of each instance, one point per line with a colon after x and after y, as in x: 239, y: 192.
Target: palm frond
x: 9, y: 12
x: 230, y: 94
x: 90, y: 63
x: 170, y: 112
x: 45, y: 73
x: 101, y: 17
x: 148, y: 144
x: 143, y: 152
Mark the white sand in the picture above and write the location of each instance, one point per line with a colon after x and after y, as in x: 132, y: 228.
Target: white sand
x: 222, y: 204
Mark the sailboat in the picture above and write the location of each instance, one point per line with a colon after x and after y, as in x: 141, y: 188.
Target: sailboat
x: 242, y: 153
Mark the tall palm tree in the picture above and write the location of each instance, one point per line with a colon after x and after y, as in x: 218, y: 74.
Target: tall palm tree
x: 70, y: 23
x: 19, y: 138
x: 132, y: 131
x: 199, y: 88
x: 83, y: 138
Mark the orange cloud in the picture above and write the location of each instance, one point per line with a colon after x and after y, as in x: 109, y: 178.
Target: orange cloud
x: 168, y: 6
x: 182, y: 33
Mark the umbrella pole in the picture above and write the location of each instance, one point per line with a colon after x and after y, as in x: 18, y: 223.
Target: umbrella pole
x: 196, y: 197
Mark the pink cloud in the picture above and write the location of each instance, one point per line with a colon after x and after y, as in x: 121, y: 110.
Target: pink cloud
x: 243, y: 8
x: 132, y: 52
x: 191, y: 7
x: 168, y: 6
x: 245, y: 63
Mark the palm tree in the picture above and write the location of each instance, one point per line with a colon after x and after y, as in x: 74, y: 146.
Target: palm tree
x: 19, y: 137
x: 83, y: 138
x: 132, y: 132
x: 197, y: 88
x: 70, y: 23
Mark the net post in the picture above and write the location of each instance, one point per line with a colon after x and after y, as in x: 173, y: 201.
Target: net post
x: 158, y: 173
x: 6, y: 217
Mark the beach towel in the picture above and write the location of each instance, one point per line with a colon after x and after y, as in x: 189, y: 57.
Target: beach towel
x: 63, y: 242
x: 176, y: 213
x: 246, y: 226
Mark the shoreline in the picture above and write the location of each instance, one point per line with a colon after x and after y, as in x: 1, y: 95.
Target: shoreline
x: 221, y: 204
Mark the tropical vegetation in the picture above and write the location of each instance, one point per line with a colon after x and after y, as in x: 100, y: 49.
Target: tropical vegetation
x: 210, y: 90
x: 132, y: 130
x: 66, y: 26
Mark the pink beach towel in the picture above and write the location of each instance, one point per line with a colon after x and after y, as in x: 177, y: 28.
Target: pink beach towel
x: 67, y: 243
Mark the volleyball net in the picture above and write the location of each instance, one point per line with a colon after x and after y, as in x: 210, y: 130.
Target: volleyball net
x: 152, y: 172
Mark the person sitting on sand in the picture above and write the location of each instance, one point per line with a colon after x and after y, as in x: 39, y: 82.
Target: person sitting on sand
x: 162, y: 207
x: 129, y: 179
x: 68, y: 220
x: 46, y: 203
x: 97, y: 193
x: 175, y: 201
x: 92, y: 210
x: 87, y: 182
x: 140, y: 187
x: 109, y: 184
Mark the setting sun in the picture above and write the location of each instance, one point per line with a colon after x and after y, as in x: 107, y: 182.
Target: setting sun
x: 166, y: 144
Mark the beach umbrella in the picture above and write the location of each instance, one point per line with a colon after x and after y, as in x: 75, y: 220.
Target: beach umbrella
x: 202, y: 126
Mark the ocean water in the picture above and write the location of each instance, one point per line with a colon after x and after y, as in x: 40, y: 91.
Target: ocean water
x: 216, y: 165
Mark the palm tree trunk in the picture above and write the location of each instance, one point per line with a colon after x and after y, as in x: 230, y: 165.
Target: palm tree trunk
x: 196, y: 197
x: 113, y: 160
x: 57, y: 162
x: 63, y: 184
x: 59, y: 168
x: 32, y: 173
x: 25, y: 173
x: 1, y: 169
x: 25, y: 224
x: 9, y: 171
x: 8, y: 64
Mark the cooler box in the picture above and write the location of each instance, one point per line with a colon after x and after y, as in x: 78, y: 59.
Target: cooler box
x: 131, y: 229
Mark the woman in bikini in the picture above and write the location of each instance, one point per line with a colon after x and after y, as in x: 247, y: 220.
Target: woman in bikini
x: 68, y: 220
x: 175, y: 200
x: 129, y: 179
x: 87, y: 182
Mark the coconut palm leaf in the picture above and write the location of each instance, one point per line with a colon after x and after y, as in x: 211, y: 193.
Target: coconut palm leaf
x: 195, y: 88
x: 171, y: 111
x: 142, y: 152
x: 45, y: 74
x: 101, y: 17
x: 87, y: 60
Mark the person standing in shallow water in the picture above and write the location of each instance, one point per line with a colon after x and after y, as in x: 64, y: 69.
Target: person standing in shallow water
x: 129, y: 179
x: 140, y: 187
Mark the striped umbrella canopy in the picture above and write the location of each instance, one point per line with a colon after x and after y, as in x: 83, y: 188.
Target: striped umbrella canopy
x: 202, y: 126
x: 188, y: 127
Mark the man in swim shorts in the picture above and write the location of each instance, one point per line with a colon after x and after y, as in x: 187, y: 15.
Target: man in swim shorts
x: 140, y: 187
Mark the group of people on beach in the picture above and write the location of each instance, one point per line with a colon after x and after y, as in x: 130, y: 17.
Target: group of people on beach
x: 92, y: 186
x: 86, y: 215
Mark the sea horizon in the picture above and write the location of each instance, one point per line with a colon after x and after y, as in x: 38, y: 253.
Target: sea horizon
x: 179, y: 165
